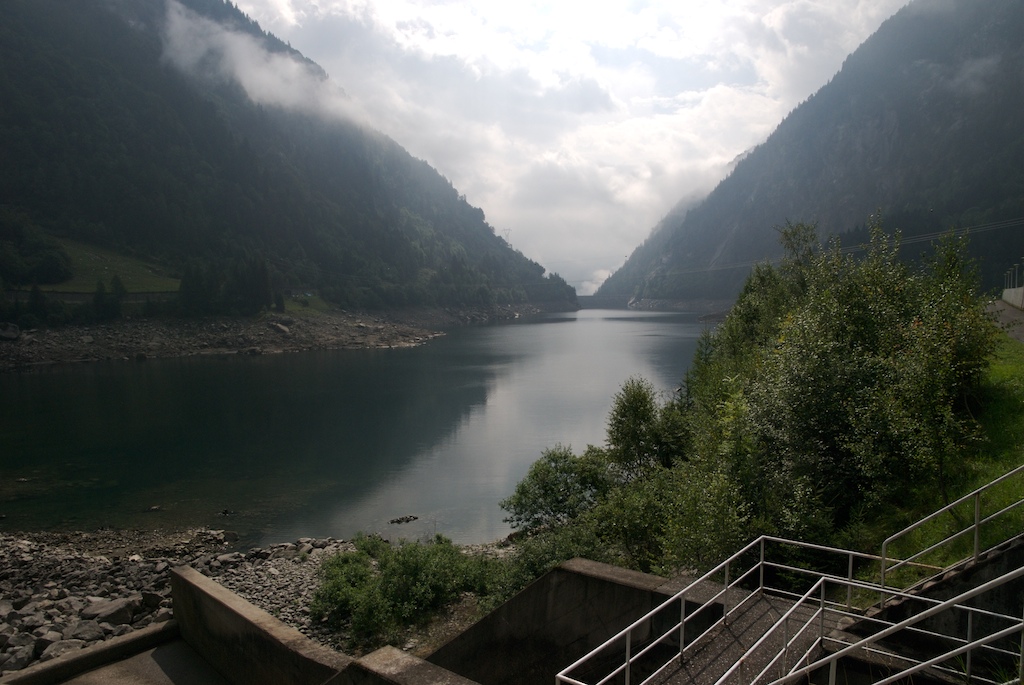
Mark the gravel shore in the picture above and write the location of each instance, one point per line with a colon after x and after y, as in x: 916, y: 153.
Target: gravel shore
x: 138, y: 339
x: 60, y: 592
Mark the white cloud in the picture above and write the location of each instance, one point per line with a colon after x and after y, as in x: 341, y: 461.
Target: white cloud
x: 574, y: 125
x: 197, y: 45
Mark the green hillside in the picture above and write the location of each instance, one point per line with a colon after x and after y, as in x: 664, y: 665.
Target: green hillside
x: 921, y: 125
x: 106, y: 143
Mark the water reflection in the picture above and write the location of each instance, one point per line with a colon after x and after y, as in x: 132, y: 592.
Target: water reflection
x: 323, y: 443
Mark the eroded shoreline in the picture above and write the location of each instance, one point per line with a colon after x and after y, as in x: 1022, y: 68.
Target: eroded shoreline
x: 139, y: 339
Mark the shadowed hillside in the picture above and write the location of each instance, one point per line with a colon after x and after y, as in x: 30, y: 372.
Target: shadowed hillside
x: 922, y: 123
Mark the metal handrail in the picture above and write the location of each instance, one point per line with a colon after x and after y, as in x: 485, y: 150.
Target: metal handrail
x: 974, y: 527
x: 824, y: 606
x: 626, y: 633
x: 954, y: 602
x: 760, y: 543
x: 725, y: 567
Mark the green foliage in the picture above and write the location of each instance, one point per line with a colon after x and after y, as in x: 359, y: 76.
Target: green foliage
x: 632, y: 428
x: 233, y: 286
x: 558, y: 488
x: 836, y: 388
x: 705, y: 517
x: 846, y: 382
x: 536, y: 554
x: 380, y: 589
x: 27, y: 254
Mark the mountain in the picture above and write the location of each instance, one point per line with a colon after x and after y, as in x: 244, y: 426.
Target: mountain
x: 130, y: 124
x: 922, y: 126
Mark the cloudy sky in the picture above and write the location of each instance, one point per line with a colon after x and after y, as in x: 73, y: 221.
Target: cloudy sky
x: 574, y: 125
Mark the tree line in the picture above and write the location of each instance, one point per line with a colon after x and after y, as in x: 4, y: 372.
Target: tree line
x: 839, y: 391
x: 837, y: 388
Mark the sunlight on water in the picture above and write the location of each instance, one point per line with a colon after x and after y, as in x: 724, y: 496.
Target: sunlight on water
x: 324, y: 443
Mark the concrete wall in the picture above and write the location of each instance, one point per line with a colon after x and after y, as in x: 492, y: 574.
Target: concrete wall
x: 242, y: 642
x: 390, y: 666
x: 554, y: 621
x: 1014, y: 296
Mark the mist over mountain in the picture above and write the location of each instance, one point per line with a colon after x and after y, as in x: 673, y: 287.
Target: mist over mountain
x: 921, y: 125
x: 181, y: 131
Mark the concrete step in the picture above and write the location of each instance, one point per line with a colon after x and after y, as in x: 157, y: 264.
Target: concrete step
x: 713, y: 655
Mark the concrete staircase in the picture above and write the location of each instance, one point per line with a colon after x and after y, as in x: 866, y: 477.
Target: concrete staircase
x: 964, y: 624
x: 729, y: 645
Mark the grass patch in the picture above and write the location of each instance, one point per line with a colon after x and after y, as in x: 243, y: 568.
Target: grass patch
x: 999, y: 408
x: 308, y: 305
x: 91, y: 264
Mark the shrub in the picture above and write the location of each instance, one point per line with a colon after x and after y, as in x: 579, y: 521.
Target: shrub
x: 379, y: 589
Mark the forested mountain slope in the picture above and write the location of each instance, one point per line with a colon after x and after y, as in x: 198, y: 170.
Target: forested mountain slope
x: 106, y: 138
x: 922, y: 124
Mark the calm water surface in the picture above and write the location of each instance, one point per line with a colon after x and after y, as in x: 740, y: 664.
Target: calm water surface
x: 324, y: 443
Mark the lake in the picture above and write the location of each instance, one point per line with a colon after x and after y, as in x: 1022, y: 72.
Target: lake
x: 325, y: 443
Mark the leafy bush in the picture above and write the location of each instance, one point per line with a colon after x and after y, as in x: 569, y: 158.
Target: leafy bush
x: 558, y: 488
x: 380, y: 589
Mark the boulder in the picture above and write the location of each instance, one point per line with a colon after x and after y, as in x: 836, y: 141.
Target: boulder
x: 151, y: 600
x: 60, y: 649
x: 9, y: 332
x: 44, y: 641
x: 115, y: 611
x: 88, y: 630
x: 19, y: 658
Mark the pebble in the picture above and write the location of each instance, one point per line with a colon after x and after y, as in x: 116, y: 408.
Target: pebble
x: 60, y: 592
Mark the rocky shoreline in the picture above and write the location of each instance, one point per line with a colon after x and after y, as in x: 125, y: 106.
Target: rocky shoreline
x: 138, y: 339
x: 60, y: 592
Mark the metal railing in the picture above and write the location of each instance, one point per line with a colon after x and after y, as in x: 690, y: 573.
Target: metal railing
x: 640, y: 639
x: 739, y: 579
x: 973, y: 528
x: 825, y: 613
x: 965, y: 647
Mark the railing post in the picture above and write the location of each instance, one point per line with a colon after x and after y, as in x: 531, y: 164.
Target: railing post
x: 682, y: 626
x: 970, y: 639
x: 881, y: 580
x: 849, y: 584
x: 1020, y: 661
x: 977, y: 525
x: 821, y: 611
x: 725, y: 596
x: 760, y: 584
x: 629, y: 645
x: 832, y: 672
x: 785, y: 644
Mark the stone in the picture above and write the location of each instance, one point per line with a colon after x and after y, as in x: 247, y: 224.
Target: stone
x: 88, y: 630
x: 9, y: 332
x: 113, y: 611
x: 33, y: 621
x: 151, y: 600
x: 19, y: 658
x: 20, y: 640
x: 44, y: 641
x: 60, y: 649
